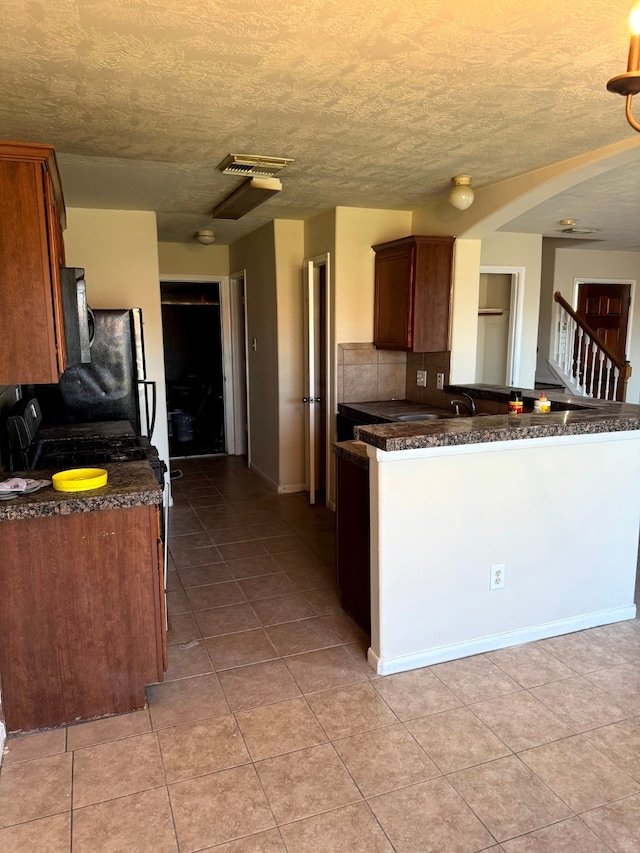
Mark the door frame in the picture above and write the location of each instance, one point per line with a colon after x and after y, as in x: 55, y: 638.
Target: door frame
x: 578, y: 280
x: 225, y: 337
x: 516, y: 317
x: 240, y: 372
x: 311, y: 265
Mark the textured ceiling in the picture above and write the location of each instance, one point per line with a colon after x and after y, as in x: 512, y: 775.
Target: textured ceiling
x: 378, y: 103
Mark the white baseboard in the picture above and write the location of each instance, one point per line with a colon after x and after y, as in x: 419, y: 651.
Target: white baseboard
x: 290, y: 488
x: 428, y: 657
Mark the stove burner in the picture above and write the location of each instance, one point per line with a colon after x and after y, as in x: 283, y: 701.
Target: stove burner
x: 55, y: 453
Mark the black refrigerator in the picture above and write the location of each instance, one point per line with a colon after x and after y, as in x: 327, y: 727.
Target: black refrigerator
x: 113, y: 386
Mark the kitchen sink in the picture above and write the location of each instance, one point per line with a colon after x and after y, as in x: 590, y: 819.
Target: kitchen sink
x: 418, y: 416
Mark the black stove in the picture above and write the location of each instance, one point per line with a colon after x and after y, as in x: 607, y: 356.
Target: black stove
x: 54, y: 453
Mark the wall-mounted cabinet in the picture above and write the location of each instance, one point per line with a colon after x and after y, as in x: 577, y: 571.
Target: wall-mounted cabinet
x: 413, y: 294
x: 32, y: 216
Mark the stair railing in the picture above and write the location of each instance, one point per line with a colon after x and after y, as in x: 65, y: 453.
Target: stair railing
x: 586, y: 365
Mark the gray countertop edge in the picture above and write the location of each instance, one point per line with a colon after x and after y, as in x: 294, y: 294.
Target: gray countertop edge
x: 353, y: 451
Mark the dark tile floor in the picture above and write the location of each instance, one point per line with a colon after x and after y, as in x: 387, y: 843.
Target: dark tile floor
x: 271, y: 734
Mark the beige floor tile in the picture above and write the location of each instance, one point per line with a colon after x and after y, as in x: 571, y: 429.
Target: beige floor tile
x: 306, y: 635
x: 177, y: 603
x: 415, y: 694
x: 325, y: 668
x: 617, y: 824
x: 241, y: 550
x: 253, y: 567
x: 352, y: 829
x: 47, y: 835
x: 456, y: 739
x: 219, y: 807
x: 622, y: 683
x: 34, y: 745
x: 350, y: 710
x: 474, y: 679
x: 620, y: 742
x: 283, y: 608
x: 187, y: 700
x: 581, y: 651
x: 346, y: 628
x: 279, y: 728
x: 110, y: 728
x: 139, y: 823
x: 280, y: 544
x: 266, y: 586
x: 187, y: 659
x: 530, y: 665
x: 196, y: 557
x: 263, y: 842
x: 240, y: 649
x: 508, y: 798
x: 300, y: 559
x: 174, y: 584
x: 182, y: 629
x: 307, y: 579
x: 179, y: 544
x: 622, y: 637
x: 201, y: 748
x: 307, y: 782
x: 257, y: 684
x: 323, y: 601
x: 267, y: 528
x: 226, y: 620
x: 579, y: 774
x: 214, y: 595
x: 35, y: 789
x: 521, y: 721
x: 570, y: 836
x: 231, y: 534
x: 429, y: 817
x: 116, y: 769
x: 580, y: 704
x: 385, y: 759
x: 205, y: 574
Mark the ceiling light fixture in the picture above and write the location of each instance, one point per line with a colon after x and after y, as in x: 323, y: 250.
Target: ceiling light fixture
x: 248, y: 195
x: 253, y: 165
x: 461, y: 196
x: 628, y: 84
x: 206, y: 237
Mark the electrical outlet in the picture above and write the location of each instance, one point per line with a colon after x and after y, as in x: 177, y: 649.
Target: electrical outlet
x: 496, y: 580
x: 421, y: 378
x: 440, y: 381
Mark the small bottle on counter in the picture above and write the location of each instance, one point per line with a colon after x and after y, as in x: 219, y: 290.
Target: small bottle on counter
x: 542, y: 405
x: 515, y: 403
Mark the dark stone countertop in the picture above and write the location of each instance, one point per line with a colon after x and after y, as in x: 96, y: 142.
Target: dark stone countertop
x: 569, y: 416
x: 386, y: 410
x: 353, y: 451
x: 129, y: 484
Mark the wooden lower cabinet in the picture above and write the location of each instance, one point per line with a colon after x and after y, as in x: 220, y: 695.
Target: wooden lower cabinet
x: 81, y: 615
x: 352, y: 540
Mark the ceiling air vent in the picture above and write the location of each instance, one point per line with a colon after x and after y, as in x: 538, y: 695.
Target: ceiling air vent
x: 253, y: 165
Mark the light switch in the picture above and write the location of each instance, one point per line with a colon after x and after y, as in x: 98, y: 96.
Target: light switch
x: 421, y: 378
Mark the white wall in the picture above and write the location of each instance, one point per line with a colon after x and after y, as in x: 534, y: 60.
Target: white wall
x: 521, y: 250
x: 430, y: 584
x: 193, y: 259
x: 119, y: 251
x: 588, y: 264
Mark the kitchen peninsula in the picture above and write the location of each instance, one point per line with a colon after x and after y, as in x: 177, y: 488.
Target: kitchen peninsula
x: 82, y: 608
x: 552, y: 500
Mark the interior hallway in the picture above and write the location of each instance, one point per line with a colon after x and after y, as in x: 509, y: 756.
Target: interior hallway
x: 272, y: 735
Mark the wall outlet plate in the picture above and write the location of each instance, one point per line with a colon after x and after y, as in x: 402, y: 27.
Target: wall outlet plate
x: 440, y: 381
x: 421, y: 378
x: 496, y: 579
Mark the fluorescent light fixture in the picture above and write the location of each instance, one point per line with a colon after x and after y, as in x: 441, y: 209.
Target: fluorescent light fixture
x: 253, y: 165
x: 250, y: 194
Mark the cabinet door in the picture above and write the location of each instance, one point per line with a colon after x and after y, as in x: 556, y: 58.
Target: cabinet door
x: 393, y: 318
x: 352, y: 541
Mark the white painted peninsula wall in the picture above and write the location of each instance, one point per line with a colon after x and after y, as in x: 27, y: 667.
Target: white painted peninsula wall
x: 562, y: 514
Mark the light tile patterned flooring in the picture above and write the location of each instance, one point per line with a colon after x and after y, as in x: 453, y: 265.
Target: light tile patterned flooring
x: 272, y: 735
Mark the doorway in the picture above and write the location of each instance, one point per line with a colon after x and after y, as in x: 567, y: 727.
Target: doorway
x: 317, y: 373
x: 193, y: 356
x: 499, y: 330
x: 604, y: 307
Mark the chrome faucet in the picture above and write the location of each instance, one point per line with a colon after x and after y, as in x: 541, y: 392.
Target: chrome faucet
x: 469, y: 404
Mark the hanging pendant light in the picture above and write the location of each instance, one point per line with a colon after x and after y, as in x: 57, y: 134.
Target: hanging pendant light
x: 628, y: 84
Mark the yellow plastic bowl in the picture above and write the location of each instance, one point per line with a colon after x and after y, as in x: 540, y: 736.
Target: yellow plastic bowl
x: 79, y: 479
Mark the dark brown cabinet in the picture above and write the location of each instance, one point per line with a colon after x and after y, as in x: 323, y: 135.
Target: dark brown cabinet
x: 352, y: 539
x: 413, y: 294
x: 32, y: 216
x: 82, y: 626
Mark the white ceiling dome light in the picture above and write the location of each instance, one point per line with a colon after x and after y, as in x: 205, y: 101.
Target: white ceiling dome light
x: 461, y: 196
x: 206, y: 237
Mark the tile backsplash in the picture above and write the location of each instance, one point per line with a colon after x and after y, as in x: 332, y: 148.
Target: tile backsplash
x: 366, y: 373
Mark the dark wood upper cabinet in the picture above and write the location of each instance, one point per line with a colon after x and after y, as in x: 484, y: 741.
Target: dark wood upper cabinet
x: 413, y: 294
x: 32, y: 216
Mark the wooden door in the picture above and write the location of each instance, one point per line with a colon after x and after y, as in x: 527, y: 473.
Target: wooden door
x: 605, y: 308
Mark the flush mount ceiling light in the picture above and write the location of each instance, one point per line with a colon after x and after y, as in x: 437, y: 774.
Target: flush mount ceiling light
x: 206, y: 237
x: 248, y: 195
x: 570, y: 226
x: 461, y: 196
x: 628, y: 84
x: 253, y: 165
